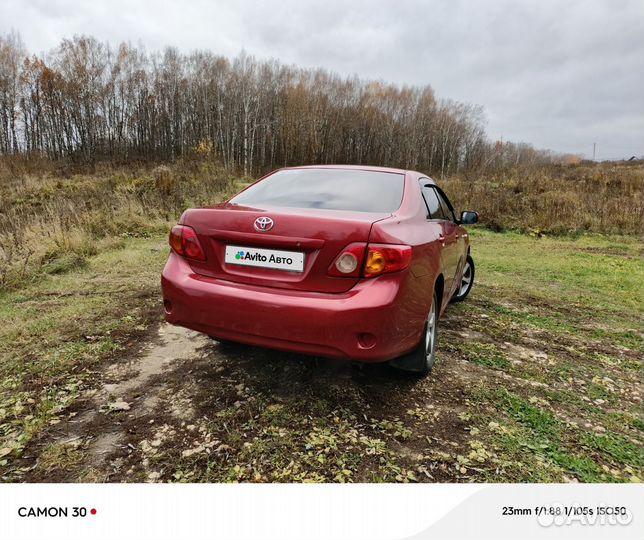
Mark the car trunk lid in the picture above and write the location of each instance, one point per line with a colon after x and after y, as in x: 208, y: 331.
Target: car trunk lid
x: 311, y: 238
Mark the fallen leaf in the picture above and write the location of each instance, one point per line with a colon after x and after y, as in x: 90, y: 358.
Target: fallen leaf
x: 191, y: 451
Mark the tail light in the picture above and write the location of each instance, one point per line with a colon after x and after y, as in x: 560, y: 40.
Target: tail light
x: 386, y: 258
x: 349, y: 262
x: 184, y: 241
x: 380, y: 259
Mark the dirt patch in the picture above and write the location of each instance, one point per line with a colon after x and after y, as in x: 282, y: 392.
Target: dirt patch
x: 185, y: 400
x: 185, y: 408
x: 615, y: 251
x: 135, y: 382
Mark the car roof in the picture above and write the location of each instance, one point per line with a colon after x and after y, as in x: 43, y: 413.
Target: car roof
x: 354, y: 167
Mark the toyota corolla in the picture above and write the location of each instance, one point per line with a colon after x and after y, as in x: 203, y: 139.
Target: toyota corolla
x: 348, y: 262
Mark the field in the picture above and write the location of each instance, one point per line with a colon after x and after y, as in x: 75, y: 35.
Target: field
x: 538, y: 378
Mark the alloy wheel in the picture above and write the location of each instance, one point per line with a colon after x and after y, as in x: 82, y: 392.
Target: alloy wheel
x: 467, y: 279
x: 430, y: 335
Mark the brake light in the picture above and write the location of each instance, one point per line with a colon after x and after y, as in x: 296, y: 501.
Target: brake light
x: 380, y: 259
x: 385, y: 258
x: 349, y: 262
x: 184, y: 241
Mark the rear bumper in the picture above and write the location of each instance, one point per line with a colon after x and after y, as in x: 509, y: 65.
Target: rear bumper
x: 368, y: 323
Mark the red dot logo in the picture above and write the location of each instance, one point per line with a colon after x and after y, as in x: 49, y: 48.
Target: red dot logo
x: 93, y: 511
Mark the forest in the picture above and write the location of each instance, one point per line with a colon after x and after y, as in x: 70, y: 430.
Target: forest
x: 86, y: 101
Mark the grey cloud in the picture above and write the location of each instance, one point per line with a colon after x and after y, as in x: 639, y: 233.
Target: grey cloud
x: 561, y: 74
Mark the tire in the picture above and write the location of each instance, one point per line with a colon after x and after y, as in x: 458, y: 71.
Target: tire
x: 467, y: 281
x: 421, y: 360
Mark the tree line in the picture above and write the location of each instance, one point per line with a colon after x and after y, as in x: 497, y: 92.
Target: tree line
x: 87, y: 101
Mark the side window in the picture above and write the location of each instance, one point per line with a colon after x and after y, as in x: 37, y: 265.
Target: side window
x: 433, y: 203
x: 446, y: 206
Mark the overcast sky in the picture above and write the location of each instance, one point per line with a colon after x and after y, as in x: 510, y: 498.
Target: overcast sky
x: 560, y: 74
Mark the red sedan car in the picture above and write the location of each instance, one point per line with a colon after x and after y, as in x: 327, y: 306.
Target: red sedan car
x: 350, y: 262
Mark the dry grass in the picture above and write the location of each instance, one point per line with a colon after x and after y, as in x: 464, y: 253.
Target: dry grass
x: 53, y: 217
x: 603, y: 198
x: 50, y: 223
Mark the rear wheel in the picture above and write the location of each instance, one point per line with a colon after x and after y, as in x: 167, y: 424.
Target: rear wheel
x: 467, y: 281
x: 421, y: 360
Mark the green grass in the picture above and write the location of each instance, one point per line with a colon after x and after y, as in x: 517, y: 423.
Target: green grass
x: 541, y: 432
x: 488, y: 355
x: 583, y: 272
x: 580, y: 301
x: 547, y: 388
x: 57, y: 331
x: 616, y: 446
x: 541, y: 423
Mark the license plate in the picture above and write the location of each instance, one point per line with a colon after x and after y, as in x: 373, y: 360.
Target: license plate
x: 292, y: 261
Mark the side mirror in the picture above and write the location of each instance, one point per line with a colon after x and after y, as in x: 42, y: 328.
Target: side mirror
x: 469, y: 218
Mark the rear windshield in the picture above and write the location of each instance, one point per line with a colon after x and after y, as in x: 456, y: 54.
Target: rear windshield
x: 330, y: 189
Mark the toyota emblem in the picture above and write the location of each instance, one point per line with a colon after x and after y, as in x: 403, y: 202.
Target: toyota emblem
x: 263, y: 224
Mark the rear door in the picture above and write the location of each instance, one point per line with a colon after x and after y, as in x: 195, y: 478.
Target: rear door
x: 449, y: 233
x: 452, y: 234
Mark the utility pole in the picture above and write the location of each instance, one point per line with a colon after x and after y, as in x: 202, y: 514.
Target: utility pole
x: 594, y: 145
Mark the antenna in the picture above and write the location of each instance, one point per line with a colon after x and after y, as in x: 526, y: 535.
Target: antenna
x: 594, y: 146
